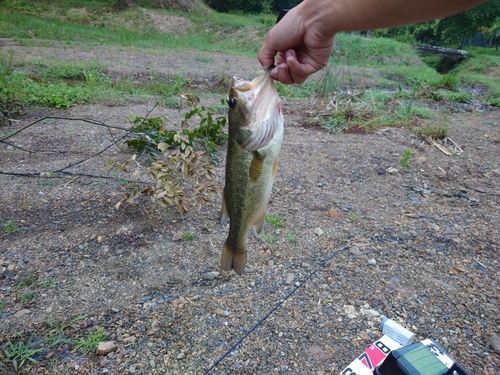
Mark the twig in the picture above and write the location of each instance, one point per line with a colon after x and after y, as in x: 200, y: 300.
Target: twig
x: 90, y: 121
x: 438, y: 146
x: 480, y: 263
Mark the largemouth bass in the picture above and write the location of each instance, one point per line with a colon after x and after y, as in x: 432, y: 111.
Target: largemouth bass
x: 254, y: 143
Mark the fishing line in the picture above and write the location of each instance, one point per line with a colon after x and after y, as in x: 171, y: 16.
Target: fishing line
x: 235, y: 345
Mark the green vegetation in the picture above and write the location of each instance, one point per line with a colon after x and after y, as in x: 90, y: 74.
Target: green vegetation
x: 275, y: 220
x: 21, y: 353
x: 149, y: 133
x: 26, y: 289
x: 188, y: 236
x: 9, y: 227
x: 405, y: 159
x: 277, y: 223
x: 89, y: 341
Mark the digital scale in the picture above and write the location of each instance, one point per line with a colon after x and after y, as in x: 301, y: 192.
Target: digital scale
x: 394, y: 354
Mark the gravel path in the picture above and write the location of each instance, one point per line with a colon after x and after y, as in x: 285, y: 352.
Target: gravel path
x: 419, y: 246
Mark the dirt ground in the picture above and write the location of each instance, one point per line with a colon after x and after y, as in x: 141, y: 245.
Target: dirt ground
x: 419, y: 246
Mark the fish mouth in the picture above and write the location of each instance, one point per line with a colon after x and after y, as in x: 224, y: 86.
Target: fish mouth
x: 260, y: 105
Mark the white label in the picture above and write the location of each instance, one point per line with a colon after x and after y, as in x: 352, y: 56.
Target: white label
x: 434, y: 349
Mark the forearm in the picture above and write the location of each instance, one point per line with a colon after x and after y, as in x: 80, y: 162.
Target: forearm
x: 353, y: 15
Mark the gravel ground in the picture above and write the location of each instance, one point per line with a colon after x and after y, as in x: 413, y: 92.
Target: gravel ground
x: 420, y: 246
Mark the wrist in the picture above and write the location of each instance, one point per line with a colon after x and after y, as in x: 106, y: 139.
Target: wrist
x: 321, y: 15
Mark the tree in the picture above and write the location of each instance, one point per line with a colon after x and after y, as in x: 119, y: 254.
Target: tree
x: 456, y: 28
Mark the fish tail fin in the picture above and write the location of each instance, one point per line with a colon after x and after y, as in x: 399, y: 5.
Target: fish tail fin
x: 233, y: 258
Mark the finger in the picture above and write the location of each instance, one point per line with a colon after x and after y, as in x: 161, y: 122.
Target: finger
x: 298, y: 71
x: 267, y: 53
x: 283, y: 74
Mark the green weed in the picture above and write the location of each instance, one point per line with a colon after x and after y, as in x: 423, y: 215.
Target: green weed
x: 435, y: 131
x: 188, y: 236
x: 88, y: 343
x: 9, y: 227
x: 26, y: 297
x: 447, y: 81
x: 149, y: 133
x: 269, y: 237
x: 21, y: 353
x: 352, y: 219
x: 48, y: 182
x: 405, y: 159
x: 275, y: 220
x: 290, y: 236
x: 60, y: 328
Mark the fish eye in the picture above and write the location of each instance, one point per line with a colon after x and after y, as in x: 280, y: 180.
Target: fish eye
x: 233, y: 102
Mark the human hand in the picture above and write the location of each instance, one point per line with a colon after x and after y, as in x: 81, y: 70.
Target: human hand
x: 301, y: 45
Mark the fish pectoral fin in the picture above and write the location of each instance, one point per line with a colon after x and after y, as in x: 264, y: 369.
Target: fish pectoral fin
x: 223, y: 216
x: 259, y: 224
x: 232, y: 258
x: 256, y: 167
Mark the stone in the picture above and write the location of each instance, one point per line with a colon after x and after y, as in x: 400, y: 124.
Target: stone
x: 334, y: 213
x: 372, y: 262
x: 105, y: 347
x: 354, y: 250
x: 318, y: 231
x: 317, y: 351
x: 181, y: 356
x: 495, y: 343
x: 373, y: 313
x: 22, y: 313
x: 221, y: 312
x: 178, y: 236
x: 129, y: 340
x: 211, y: 275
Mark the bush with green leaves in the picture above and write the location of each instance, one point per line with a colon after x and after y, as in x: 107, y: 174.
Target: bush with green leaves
x: 179, y: 160
x: 10, y: 103
x: 149, y: 133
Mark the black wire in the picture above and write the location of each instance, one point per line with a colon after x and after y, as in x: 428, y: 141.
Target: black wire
x: 272, y: 311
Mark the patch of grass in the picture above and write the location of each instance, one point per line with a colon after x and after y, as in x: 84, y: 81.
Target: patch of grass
x: 405, y: 159
x: 275, y: 220
x: 290, y: 236
x: 352, y: 218
x: 269, y: 237
x: 435, y: 131
x: 28, y: 296
x: 376, y: 52
x: 447, y: 81
x: 295, y: 91
x: 48, y: 182
x: 204, y: 59
x: 478, y: 70
x: 188, y: 236
x: 60, y: 328
x: 21, y: 353
x: 88, y: 343
x: 9, y: 227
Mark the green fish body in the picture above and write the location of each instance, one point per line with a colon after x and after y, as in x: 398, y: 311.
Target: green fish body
x: 254, y: 143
